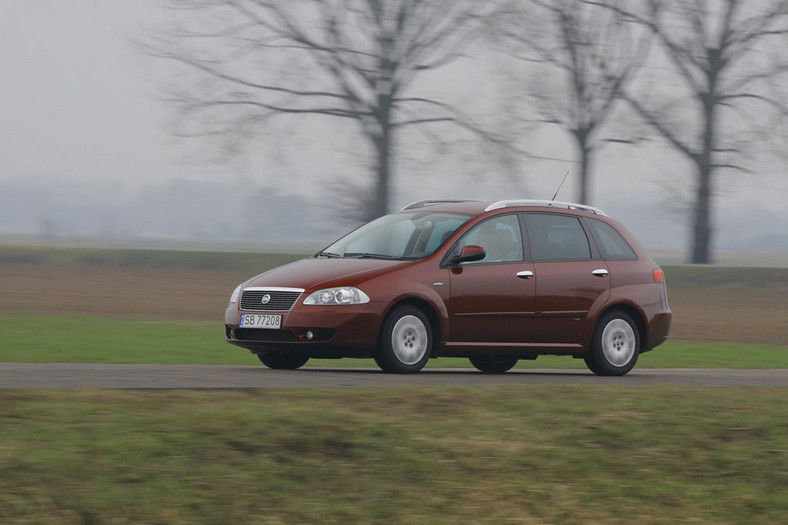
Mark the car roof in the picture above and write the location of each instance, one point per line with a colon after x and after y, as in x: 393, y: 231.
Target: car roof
x: 475, y: 207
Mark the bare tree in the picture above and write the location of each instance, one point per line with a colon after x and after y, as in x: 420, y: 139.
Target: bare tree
x: 593, y: 52
x: 727, y: 54
x: 247, y: 61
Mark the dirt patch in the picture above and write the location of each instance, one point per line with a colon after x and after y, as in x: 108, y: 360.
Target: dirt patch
x: 117, y: 292
x: 735, y: 316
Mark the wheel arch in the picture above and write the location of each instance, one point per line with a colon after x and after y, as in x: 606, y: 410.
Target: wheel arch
x: 634, y: 313
x: 427, y: 309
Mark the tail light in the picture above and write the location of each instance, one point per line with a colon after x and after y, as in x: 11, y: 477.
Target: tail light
x: 659, y: 275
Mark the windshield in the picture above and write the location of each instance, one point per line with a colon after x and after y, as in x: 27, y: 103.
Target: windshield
x: 409, y: 235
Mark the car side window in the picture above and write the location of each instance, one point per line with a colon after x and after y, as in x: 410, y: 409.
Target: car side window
x: 557, y: 238
x: 612, y: 244
x: 500, y: 237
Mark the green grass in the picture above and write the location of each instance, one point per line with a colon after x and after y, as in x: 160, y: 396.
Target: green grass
x: 395, y: 455
x: 71, y: 339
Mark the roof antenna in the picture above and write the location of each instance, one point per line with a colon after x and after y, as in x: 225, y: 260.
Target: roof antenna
x: 559, y: 186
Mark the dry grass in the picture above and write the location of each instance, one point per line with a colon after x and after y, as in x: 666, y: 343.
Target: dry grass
x: 117, y: 292
x: 729, y: 316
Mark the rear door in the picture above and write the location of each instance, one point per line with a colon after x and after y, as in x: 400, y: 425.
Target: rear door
x: 571, y: 278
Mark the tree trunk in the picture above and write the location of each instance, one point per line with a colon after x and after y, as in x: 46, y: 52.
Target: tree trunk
x: 585, y: 174
x: 383, y: 139
x: 585, y: 165
x: 701, y: 227
x: 380, y: 205
x: 383, y: 142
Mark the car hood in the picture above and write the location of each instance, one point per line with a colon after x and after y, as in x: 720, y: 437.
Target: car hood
x: 313, y: 274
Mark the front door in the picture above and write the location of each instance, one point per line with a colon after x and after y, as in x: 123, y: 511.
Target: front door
x: 492, y: 300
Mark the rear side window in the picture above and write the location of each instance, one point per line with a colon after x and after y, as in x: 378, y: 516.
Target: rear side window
x: 557, y: 238
x: 612, y: 244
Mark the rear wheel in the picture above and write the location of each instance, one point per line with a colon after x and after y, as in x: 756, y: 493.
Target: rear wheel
x: 616, y: 345
x: 406, y: 341
x: 283, y: 361
x: 494, y: 364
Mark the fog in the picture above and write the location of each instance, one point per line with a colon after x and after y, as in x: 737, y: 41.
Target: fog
x: 256, y: 216
x: 86, y: 152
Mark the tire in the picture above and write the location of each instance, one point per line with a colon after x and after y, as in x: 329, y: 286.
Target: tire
x: 493, y: 364
x: 591, y: 364
x: 405, y: 342
x: 283, y: 361
x: 615, y: 346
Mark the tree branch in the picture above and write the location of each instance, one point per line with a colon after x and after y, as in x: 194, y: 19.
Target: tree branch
x: 661, y: 128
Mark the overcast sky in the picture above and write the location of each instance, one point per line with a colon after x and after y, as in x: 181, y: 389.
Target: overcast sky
x: 79, y: 103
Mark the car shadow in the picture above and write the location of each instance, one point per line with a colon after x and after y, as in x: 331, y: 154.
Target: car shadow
x: 448, y: 371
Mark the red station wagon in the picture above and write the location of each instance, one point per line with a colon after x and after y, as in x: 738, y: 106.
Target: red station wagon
x: 491, y: 281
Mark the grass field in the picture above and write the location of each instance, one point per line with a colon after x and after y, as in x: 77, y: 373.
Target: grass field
x: 568, y: 455
x: 403, y: 455
x: 83, y: 305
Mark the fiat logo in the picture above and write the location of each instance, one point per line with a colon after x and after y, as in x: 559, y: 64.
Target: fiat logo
x: 265, y: 299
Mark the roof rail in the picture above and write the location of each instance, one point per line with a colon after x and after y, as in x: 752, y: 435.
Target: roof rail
x: 431, y: 202
x: 552, y: 204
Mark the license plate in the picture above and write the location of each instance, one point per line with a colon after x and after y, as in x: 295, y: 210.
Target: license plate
x: 273, y: 322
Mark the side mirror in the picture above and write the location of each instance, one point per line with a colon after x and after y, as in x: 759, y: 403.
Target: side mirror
x: 468, y: 254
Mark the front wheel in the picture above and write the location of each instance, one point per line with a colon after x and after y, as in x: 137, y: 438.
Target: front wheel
x: 283, y: 361
x: 616, y: 345
x: 493, y: 364
x: 406, y: 341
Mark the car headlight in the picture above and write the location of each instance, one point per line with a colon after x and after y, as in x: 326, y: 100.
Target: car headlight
x: 335, y: 296
x: 236, y: 293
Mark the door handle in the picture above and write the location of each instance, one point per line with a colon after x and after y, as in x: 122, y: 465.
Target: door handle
x: 601, y: 272
x: 525, y: 274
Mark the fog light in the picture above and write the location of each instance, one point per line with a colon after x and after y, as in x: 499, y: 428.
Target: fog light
x: 309, y: 335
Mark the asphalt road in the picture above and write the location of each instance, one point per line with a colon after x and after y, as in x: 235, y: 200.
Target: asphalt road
x: 132, y: 376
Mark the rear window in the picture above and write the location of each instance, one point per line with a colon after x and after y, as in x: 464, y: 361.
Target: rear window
x: 557, y: 238
x: 611, y: 243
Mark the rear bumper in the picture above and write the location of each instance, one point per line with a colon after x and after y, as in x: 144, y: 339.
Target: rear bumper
x: 658, y: 318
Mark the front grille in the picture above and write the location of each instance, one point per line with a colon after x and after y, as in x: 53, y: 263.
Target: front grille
x: 279, y: 301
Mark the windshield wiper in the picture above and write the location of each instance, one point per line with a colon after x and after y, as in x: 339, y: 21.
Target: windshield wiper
x: 329, y: 255
x: 366, y: 255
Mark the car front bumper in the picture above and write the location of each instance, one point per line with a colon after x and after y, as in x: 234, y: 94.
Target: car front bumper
x: 318, y: 331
